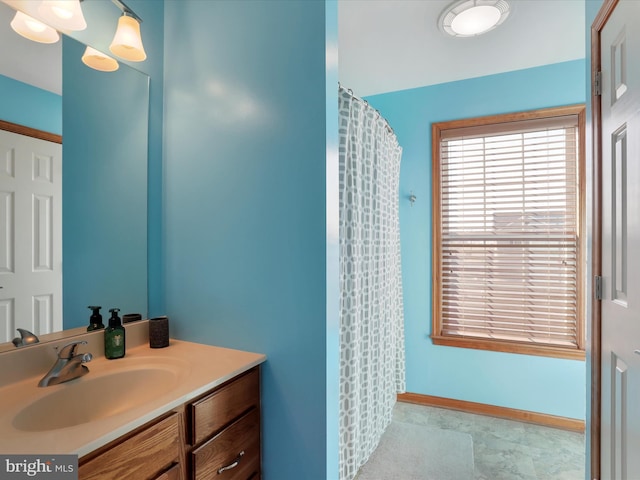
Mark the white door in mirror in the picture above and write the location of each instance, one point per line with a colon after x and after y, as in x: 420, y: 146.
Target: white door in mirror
x: 30, y: 207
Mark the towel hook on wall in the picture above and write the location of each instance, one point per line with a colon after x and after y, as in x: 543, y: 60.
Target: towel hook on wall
x: 412, y: 198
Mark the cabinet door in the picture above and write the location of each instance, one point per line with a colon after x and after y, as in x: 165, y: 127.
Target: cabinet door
x: 233, y: 454
x: 142, y: 455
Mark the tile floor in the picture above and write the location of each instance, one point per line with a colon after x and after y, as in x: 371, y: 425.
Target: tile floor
x: 505, y: 449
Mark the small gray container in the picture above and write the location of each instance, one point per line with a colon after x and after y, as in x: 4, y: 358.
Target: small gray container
x: 159, y: 332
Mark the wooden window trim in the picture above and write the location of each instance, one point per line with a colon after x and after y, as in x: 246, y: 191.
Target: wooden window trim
x: 526, y: 348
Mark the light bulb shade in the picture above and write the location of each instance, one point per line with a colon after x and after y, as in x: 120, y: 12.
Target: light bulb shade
x: 468, y: 18
x: 33, y: 29
x: 476, y: 20
x: 127, y: 42
x: 63, y: 14
x: 99, y: 61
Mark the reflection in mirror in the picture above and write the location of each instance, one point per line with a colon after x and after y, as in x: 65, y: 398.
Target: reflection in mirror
x: 31, y: 226
x: 103, y: 118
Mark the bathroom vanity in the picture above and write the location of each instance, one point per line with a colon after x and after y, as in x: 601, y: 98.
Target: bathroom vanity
x: 188, y: 411
x: 215, y: 435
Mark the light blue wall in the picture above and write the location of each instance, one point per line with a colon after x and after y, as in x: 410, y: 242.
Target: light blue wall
x: 244, y: 204
x: 30, y: 106
x: 333, y: 265
x: 468, y: 374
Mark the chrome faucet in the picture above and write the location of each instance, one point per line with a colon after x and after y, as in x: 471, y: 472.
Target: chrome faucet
x: 68, y: 365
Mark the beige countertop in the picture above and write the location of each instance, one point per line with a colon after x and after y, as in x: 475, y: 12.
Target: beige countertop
x: 195, y: 369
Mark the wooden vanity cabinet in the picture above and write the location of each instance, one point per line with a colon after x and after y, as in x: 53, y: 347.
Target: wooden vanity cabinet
x: 224, y: 431
x: 214, y: 436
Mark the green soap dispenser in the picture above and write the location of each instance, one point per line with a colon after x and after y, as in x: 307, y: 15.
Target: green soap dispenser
x: 95, y: 322
x: 114, y: 337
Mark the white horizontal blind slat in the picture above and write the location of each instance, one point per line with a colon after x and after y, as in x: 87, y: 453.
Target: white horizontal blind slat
x: 509, y: 232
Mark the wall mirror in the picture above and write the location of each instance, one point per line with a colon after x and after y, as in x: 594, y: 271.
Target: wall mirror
x: 104, y: 118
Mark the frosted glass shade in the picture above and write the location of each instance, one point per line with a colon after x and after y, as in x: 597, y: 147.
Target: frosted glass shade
x: 476, y: 20
x: 99, y: 61
x: 33, y: 29
x: 127, y: 42
x: 468, y: 18
x: 62, y: 14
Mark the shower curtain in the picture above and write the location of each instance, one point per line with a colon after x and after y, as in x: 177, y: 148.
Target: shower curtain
x: 372, y: 369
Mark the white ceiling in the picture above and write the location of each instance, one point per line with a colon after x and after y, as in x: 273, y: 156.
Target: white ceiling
x: 34, y: 63
x: 390, y: 45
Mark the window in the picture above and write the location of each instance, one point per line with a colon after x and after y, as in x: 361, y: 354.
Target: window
x: 507, y: 243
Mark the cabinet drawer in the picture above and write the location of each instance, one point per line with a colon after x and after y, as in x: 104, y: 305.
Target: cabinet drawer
x: 142, y: 455
x: 211, y: 413
x: 233, y: 454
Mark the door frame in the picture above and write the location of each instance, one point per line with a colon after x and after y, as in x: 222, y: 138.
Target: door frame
x: 596, y: 254
x: 30, y: 132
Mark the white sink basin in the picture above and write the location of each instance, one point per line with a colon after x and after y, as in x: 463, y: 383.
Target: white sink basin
x: 98, y: 396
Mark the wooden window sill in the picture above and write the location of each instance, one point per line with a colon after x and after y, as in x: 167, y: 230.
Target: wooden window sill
x: 510, y: 347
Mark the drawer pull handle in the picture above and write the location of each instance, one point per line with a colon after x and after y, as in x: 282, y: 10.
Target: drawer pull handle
x: 232, y: 465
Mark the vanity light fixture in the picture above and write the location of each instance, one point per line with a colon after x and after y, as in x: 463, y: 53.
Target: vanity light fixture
x: 99, y: 61
x: 62, y: 14
x: 127, y: 42
x: 468, y: 18
x: 33, y: 29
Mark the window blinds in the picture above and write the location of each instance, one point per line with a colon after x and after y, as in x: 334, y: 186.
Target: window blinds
x: 509, y: 232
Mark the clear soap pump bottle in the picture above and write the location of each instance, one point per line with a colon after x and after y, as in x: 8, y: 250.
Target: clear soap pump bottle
x: 114, y: 337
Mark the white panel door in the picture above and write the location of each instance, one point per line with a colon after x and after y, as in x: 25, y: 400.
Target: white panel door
x: 620, y: 422
x: 30, y: 235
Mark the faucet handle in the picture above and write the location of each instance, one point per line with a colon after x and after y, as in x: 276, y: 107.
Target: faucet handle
x: 69, y: 350
x: 85, y: 357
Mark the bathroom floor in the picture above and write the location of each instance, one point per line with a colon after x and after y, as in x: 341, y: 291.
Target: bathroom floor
x: 505, y: 449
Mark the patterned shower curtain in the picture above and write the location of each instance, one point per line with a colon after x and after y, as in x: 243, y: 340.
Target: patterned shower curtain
x: 372, y: 365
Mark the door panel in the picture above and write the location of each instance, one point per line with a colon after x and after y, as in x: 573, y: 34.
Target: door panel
x: 620, y: 307
x: 30, y: 235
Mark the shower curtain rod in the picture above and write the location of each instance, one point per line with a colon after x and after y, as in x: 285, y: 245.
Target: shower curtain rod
x: 386, y: 122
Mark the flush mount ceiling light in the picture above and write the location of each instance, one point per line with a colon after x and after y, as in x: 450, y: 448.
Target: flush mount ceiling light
x: 468, y: 18
x: 99, y: 61
x: 62, y: 14
x: 33, y: 29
